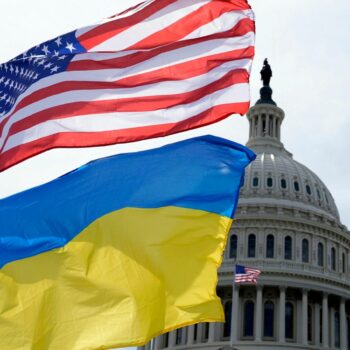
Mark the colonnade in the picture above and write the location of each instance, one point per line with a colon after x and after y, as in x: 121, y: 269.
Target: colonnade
x: 327, y: 333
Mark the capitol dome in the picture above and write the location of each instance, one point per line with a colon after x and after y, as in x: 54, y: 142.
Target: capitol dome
x: 275, y: 177
x: 287, y: 225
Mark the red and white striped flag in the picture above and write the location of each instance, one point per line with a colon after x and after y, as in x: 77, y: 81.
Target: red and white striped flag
x: 159, y: 68
x: 245, y: 274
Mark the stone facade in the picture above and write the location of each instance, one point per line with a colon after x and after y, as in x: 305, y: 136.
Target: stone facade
x: 287, y: 225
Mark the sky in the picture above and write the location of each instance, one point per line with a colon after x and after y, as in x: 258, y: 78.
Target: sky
x: 308, y: 46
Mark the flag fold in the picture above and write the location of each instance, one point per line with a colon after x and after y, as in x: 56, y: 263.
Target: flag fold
x: 120, y: 250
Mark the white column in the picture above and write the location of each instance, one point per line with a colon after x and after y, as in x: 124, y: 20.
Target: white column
x: 343, y: 326
x: 258, y: 314
x: 317, y: 325
x: 304, y: 304
x: 325, y: 337
x: 282, y: 315
x: 158, y: 342
x: 190, y: 335
x: 172, y: 339
x: 200, y: 332
x: 212, y: 327
x: 234, y: 314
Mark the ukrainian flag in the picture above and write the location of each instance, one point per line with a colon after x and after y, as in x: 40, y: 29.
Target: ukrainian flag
x: 120, y: 250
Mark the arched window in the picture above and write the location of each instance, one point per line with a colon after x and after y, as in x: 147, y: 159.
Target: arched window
x: 288, y: 248
x: 255, y: 182
x: 305, y: 250
x: 308, y: 189
x: 296, y: 186
x: 289, y: 321
x: 227, y: 324
x: 269, y: 313
x: 309, y: 323
x: 337, y: 329
x: 333, y: 259
x: 248, y: 323
x: 344, y: 262
x: 270, y: 246
x: 178, y: 339
x: 283, y: 183
x: 320, y: 254
x: 206, y: 331
x: 318, y: 193
x: 233, y: 246
x: 269, y: 182
x: 251, y: 246
x: 165, y: 340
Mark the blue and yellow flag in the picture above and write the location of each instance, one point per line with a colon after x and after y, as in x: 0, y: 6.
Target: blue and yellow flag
x: 120, y: 250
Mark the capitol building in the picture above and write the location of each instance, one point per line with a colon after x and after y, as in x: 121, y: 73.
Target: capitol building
x: 288, y: 226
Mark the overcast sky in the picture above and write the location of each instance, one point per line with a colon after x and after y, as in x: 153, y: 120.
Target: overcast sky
x: 307, y: 42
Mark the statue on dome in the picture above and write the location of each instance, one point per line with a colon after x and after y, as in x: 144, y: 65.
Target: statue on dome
x: 266, y: 73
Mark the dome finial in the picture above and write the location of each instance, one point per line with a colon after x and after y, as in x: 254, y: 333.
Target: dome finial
x: 266, y: 73
x: 266, y: 91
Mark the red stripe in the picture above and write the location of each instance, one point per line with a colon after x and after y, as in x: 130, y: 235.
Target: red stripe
x: 128, y: 10
x: 136, y: 104
x: 183, y: 70
x: 65, y: 140
x: 108, y: 30
x: 243, y: 27
x: 185, y: 25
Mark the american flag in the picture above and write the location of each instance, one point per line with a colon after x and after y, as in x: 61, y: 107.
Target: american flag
x: 161, y: 67
x: 246, y: 274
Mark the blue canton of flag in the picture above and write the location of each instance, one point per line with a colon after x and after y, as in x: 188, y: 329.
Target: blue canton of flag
x: 41, y: 61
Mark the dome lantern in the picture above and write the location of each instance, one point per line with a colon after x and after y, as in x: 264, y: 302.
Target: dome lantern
x: 265, y: 118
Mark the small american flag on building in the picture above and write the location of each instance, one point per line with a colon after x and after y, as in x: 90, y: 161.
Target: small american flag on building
x: 161, y: 67
x: 246, y: 274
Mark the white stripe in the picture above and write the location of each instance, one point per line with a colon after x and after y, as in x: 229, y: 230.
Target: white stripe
x: 221, y: 24
x: 163, y: 88
x: 191, y: 52
x: 119, y: 121
x: 153, y: 24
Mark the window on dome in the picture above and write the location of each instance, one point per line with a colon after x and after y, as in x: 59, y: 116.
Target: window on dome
x: 337, y: 329
x: 305, y: 250
x: 178, y: 339
x: 248, y: 324
x: 333, y: 259
x: 233, y: 247
x: 269, y: 313
x: 283, y: 183
x: 227, y: 324
x: 326, y: 197
x: 318, y: 193
x: 195, y: 336
x: 309, y: 323
x: 206, y: 331
x: 270, y: 246
x: 296, y: 186
x: 269, y: 182
x: 165, y: 340
x: 344, y: 263
x: 289, y: 321
x: 251, y: 246
x: 255, y: 182
x: 288, y: 248
x: 308, y: 189
x: 320, y: 254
